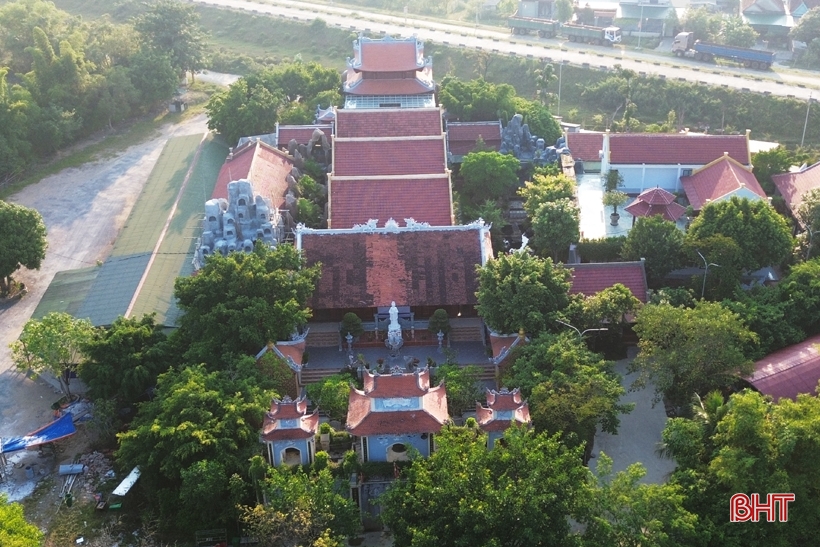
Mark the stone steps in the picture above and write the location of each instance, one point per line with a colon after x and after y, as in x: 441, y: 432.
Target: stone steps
x: 470, y: 333
x: 322, y: 339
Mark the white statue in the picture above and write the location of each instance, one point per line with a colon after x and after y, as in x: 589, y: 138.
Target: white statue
x: 394, y: 316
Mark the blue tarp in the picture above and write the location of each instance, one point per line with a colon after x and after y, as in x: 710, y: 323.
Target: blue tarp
x: 56, y: 430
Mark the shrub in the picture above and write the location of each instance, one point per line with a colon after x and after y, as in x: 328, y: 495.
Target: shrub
x: 321, y: 461
x: 439, y: 322
x: 325, y: 429
x: 606, y: 249
x: 352, y: 324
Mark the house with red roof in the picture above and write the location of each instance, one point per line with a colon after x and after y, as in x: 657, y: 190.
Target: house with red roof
x: 647, y: 160
x: 720, y: 180
x: 396, y: 412
x: 790, y: 371
x: 503, y: 409
x: 417, y: 265
x: 463, y: 138
x: 795, y: 185
x: 593, y: 277
x: 289, y: 432
x: 587, y: 147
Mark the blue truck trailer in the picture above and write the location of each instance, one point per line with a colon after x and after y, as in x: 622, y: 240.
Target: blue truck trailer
x: 685, y: 45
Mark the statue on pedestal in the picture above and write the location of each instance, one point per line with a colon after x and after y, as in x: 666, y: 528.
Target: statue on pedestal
x: 394, y: 338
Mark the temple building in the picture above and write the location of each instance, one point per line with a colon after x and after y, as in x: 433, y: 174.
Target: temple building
x: 394, y: 413
x: 503, y: 408
x: 289, y: 432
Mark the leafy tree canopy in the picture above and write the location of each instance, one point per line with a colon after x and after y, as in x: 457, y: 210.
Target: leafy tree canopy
x: 771, y: 315
x: 331, y: 395
x: 705, y: 24
x: 802, y: 288
x: 555, y: 225
x: 199, y: 430
x: 22, y: 241
x: 463, y: 387
x: 476, y: 100
x: 808, y: 214
x: 539, y: 119
x: 721, y: 280
x: 239, y: 303
x: 736, y: 32
x: 488, y: 175
x: 520, y: 493
x: 519, y: 290
x: 15, y: 531
x: 546, y: 188
x: 124, y: 360
x: 687, y: 351
x: 807, y: 28
x: 763, y: 236
x: 659, y: 242
x: 302, y: 509
x: 52, y: 345
x: 171, y: 27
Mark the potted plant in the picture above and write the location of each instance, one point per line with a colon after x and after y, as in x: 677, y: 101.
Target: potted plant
x: 324, y: 435
x: 614, y: 198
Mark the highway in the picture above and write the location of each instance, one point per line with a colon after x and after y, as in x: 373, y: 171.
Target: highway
x: 795, y: 83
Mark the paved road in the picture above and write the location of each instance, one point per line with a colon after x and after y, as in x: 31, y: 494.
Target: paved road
x: 799, y: 84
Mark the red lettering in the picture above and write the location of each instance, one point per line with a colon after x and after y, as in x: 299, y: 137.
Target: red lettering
x: 739, y: 508
x: 783, y: 504
x: 759, y: 507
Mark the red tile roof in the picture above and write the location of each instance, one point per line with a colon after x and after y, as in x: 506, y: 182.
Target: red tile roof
x: 397, y: 86
x: 388, y: 122
x: 685, y: 149
x: 507, y: 402
x: 793, y: 186
x: 387, y: 56
x: 789, y: 371
x: 357, y: 201
x: 291, y: 350
x: 301, y: 133
x: 656, y: 201
x: 463, y: 136
x: 428, y: 417
x: 287, y: 409
x: 585, y: 146
x: 413, y: 267
x: 266, y: 168
x: 719, y: 180
x: 375, y: 157
x: 592, y: 278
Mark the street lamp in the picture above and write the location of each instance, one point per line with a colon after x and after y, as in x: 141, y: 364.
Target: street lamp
x: 580, y: 333
x: 806, y: 123
x: 705, y: 273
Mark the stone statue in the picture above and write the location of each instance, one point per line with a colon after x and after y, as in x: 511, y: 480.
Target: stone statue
x: 394, y: 316
x: 394, y: 338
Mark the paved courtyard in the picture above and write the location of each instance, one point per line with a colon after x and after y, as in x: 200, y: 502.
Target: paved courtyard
x: 594, y: 216
x: 639, y: 433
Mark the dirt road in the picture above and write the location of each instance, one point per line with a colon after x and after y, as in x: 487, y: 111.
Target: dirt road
x: 84, y: 209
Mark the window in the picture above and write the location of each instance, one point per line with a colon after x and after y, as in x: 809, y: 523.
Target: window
x: 686, y: 172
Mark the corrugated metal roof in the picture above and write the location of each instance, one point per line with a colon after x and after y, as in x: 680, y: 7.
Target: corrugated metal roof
x: 66, y: 292
x: 789, y: 371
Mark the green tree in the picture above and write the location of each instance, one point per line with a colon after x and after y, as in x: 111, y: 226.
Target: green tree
x: 171, y: 27
x: 771, y: 315
x: 538, y: 118
x: 331, y: 395
x: 687, y: 351
x: 563, y: 10
x: 15, y: 531
x: 808, y: 214
x: 608, y: 308
x: 571, y: 390
x: 239, y: 303
x: 521, y: 291
x: 802, y: 288
x: 519, y: 493
x: 22, y: 241
x: 705, y: 24
x: 771, y: 162
x: 476, y: 100
x: 736, y: 32
x: 488, y: 175
x: 490, y: 213
x: 659, y: 242
x: 614, y: 199
x: 625, y: 512
x: 723, y: 280
x: 807, y: 28
x: 556, y: 225
x: 200, y: 428
x: 153, y: 76
x: 17, y: 23
x: 124, y: 360
x: 247, y: 107
x: 463, y: 386
x: 546, y: 188
x: 302, y: 509
x: 53, y: 345
x: 764, y: 237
